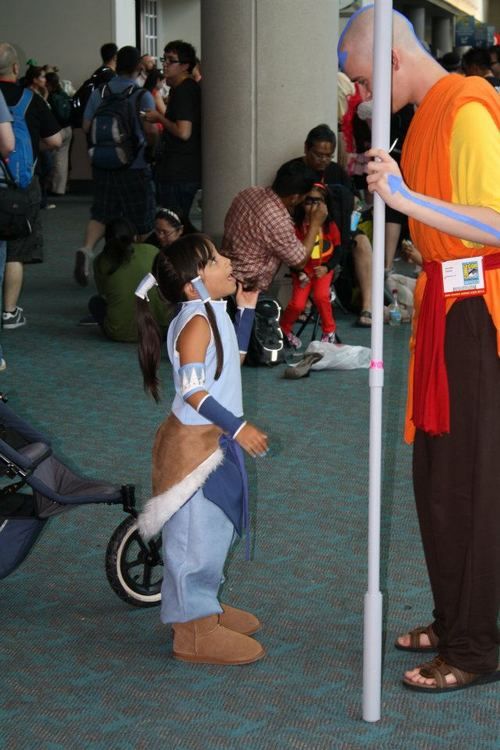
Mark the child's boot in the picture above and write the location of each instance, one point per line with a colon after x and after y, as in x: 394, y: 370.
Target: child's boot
x: 239, y: 620
x: 206, y: 641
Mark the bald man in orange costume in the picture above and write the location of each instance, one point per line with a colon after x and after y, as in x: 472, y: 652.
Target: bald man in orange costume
x: 450, y: 164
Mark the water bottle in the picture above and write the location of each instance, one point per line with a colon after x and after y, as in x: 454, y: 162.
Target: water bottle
x: 355, y: 218
x: 394, y: 310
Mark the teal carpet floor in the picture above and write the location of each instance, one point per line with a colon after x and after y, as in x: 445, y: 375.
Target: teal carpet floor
x: 81, y: 670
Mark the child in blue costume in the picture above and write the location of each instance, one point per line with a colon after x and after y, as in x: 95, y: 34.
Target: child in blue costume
x: 199, y: 480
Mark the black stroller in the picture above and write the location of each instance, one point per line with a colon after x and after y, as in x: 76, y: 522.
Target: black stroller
x: 134, y: 568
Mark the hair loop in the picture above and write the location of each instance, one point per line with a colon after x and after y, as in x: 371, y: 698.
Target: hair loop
x: 145, y: 286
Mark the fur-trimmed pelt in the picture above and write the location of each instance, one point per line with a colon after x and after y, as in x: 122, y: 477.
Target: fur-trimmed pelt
x: 160, y: 508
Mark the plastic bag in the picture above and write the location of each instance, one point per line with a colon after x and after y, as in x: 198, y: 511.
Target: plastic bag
x: 339, y: 356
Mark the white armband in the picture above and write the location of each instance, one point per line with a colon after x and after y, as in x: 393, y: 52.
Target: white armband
x: 192, y: 377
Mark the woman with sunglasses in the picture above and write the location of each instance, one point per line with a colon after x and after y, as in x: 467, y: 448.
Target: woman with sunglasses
x: 316, y: 276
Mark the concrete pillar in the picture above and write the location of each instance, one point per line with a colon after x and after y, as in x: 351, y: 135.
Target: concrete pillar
x: 269, y: 76
x: 442, y: 39
x: 417, y: 17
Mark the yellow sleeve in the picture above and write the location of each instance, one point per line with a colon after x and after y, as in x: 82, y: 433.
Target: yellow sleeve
x: 475, y: 158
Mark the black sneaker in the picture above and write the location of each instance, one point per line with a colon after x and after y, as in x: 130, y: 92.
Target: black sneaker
x: 14, y: 319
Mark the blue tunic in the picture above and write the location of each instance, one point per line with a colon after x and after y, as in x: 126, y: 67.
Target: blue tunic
x: 224, y: 487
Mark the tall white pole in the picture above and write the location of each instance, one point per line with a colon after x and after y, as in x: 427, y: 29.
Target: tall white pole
x: 372, y: 659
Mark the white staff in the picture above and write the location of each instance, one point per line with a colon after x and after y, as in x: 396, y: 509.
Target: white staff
x: 381, y: 89
x: 372, y: 652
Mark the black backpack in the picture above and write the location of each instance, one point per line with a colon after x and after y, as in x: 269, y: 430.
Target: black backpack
x: 343, y: 205
x: 266, y: 342
x: 61, y: 105
x: 80, y: 99
x: 113, y: 141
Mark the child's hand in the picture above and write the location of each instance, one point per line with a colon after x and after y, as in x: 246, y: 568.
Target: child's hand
x: 246, y: 298
x: 252, y: 440
x: 320, y: 271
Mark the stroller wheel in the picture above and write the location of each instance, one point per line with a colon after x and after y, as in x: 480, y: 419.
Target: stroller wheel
x: 134, y: 568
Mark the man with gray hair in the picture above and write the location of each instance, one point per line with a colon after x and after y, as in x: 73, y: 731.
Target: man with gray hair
x: 43, y: 130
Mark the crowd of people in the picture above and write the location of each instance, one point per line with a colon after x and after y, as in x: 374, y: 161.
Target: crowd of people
x: 307, y: 220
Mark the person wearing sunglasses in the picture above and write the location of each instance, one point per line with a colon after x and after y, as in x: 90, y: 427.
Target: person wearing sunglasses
x: 178, y: 171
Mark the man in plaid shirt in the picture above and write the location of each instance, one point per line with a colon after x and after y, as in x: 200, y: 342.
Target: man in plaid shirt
x: 259, y: 233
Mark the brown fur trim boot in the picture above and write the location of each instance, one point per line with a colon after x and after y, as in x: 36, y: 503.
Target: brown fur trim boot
x: 206, y: 641
x: 239, y: 620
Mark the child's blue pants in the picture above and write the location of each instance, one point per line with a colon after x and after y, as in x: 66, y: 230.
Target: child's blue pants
x: 196, y: 541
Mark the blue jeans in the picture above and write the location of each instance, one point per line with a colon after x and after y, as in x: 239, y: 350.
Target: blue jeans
x: 3, y: 253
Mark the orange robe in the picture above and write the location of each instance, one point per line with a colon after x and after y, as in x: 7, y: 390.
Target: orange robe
x: 426, y: 168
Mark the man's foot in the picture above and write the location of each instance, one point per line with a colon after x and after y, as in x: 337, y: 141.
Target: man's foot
x: 3, y: 364
x: 14, y: 318
x: 437, y: 676
x: 82, y: 266
x: 329, y: 338
x: 419, y: 639
x: 293, y: 340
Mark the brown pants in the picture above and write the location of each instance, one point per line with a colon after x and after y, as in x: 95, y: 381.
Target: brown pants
x: 457, y: 491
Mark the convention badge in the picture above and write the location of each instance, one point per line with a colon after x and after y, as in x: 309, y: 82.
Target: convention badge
x: 463, y: 277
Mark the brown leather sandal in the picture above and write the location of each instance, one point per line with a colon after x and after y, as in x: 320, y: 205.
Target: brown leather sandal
x: 415, y: 644
x: 438, y: 669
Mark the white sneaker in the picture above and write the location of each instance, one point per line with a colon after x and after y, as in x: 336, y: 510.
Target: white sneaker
x: 14, y: 319
x: 3, y: 364
x: 328, y: 338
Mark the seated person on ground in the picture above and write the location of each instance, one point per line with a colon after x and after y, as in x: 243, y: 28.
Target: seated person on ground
x: 169, y: 226
x: 315, y: 275
x: 319, y: 150
x: 117, y: 272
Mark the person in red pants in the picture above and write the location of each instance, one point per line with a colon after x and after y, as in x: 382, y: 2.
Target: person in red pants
x: 315, y: 277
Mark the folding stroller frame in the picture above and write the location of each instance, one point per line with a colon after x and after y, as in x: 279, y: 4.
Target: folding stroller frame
x: 134, y: 568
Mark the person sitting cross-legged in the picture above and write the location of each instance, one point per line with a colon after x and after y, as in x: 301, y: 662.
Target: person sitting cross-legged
x: 117, y: 271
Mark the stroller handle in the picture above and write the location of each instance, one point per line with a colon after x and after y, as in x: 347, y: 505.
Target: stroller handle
x: 28, y: 458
